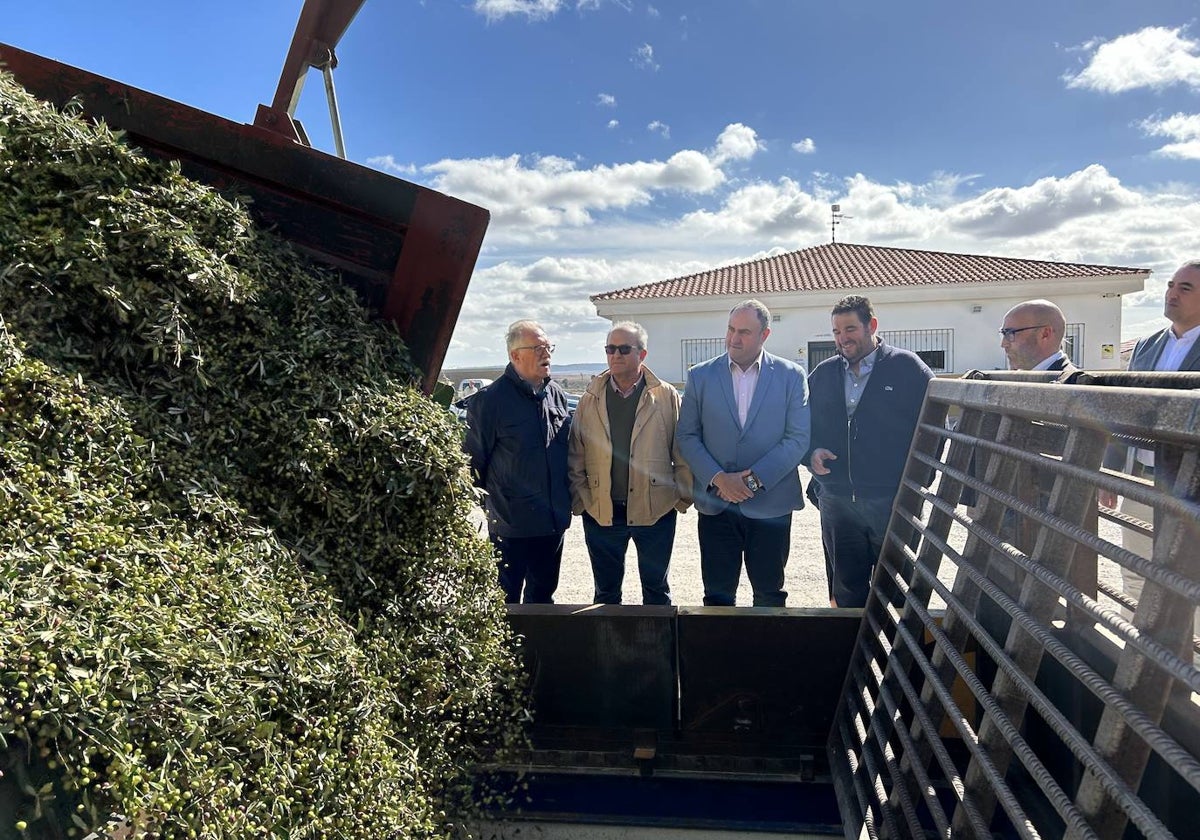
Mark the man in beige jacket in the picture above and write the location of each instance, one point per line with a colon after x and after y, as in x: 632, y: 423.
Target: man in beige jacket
x: 626, y: 475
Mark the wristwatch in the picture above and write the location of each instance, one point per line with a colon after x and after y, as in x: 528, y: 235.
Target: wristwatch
x: 753, y: 483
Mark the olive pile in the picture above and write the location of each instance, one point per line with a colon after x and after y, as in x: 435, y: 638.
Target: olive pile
x: 239, y: 591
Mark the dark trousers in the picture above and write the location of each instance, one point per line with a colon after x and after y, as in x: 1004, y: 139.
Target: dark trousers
x: 532, y: 563
x: 607, y: 545
x: 728, y: 539
x: 853, y: 532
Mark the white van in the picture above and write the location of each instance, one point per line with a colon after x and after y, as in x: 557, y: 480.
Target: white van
x: 466, y: 387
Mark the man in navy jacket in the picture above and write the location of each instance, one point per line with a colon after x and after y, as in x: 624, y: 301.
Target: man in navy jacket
x: 517, y: 432
x: 865, y: 404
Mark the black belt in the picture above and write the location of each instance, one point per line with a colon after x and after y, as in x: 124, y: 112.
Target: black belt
x: 1142, y: 470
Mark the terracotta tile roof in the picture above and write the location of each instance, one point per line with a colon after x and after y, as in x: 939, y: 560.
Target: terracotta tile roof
x: 840, y: 265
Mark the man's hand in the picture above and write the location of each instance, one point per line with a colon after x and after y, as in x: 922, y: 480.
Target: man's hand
x: 732, y: 486
x: 1106, y: 497
x: 816, y: 464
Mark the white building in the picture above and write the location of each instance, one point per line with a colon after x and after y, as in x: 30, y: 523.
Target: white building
x: 947, y: 308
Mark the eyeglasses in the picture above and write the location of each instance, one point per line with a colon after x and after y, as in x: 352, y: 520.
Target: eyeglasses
x: 623, y: 349
x: 540, y: 349
x: 1009, y: 332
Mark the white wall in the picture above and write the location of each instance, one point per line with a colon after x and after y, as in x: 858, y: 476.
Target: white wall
x: 804, y: 317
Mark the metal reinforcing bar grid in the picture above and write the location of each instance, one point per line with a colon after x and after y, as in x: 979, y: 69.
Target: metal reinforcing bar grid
x: 1043, y: 702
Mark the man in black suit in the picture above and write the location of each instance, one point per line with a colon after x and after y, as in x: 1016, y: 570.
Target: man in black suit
x: 1032, y: 336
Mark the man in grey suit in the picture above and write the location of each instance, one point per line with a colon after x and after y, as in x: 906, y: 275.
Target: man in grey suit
x: 743, y: 430
x: 1174, y: 348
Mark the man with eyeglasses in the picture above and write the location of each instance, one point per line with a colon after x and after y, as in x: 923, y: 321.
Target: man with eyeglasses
x: 517, y: 435
x: 743, y: 430
x: 866, y: 402
x: 628, y: 479
x: 1032, y: 336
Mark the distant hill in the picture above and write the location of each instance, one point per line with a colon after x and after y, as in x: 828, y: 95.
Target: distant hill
x: 572, y: 377
x: 579, y: 369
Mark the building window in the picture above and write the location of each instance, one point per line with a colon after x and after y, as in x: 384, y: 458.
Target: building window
x: 819, y: 351
x: 1073, y: 344
x: 935, y: 347
x: 697, y: 350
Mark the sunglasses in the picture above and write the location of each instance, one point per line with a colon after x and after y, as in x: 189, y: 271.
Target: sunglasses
x: 623, y: 349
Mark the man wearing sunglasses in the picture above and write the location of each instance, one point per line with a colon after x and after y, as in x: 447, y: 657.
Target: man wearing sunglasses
x: 628, y: 480
x: 517, y: 431
x: 743, y: 430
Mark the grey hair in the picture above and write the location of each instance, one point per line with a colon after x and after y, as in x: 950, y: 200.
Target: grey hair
x: 760, y: 309
x: 517, y: 331
x: 1191, y: 264
x: 635, y: 328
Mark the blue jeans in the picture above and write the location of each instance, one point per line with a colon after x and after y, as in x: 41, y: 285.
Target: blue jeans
x: 529, y: 563
x: 853, y: 532
x: 729, y: 538
x: 607, y: 545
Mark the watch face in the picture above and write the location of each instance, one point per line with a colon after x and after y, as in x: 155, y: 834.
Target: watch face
x: 753, y: 483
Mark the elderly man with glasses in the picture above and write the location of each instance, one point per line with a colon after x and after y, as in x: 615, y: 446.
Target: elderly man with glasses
x: 517, y: 431
x: 628, y: 480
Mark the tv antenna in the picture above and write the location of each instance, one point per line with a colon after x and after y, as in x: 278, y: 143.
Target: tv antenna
x: 835, y: 218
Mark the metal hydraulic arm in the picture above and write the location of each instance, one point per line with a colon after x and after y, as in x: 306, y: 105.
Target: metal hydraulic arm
x: 318, y: 31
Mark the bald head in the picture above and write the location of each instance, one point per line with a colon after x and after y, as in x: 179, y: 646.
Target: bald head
x: 1033, y: 332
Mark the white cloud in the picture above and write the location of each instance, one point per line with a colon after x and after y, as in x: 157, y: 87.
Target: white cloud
x: 805, y: 146
x: 661, y: 128
x: 553, y: 193
x: 736, y: 142
x: 1043, y: 205
x: 532, y: 9
x: 1184, y: 129
x: 1155, y: 57
x: 652, y: 11
x: 606, y: 100
x: 388, y: 164
x: 613, y: 123
x: 643, y: 57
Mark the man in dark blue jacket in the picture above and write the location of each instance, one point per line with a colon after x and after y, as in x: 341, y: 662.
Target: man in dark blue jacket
x: 865, y: 404
x: 517, y: 432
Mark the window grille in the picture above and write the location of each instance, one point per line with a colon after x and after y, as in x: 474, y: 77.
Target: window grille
x: 1073, y: 344
x: 935, y: 347
x: 819, y: 351
x: 697, y: 350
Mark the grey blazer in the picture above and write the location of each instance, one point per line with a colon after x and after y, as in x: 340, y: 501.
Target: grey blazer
x: 1146, y: 354
x: 772, y: 444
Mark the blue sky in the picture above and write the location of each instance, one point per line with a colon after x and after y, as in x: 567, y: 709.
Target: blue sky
x: 619, y: 142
